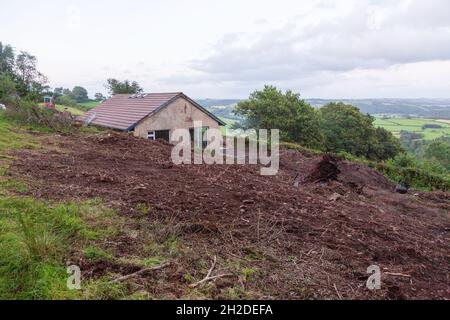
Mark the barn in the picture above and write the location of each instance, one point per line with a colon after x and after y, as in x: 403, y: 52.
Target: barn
x: 151, y: 115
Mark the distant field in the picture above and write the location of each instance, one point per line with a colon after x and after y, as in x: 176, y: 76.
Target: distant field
x: 74, y: 111
x: 228, y: 121
x: 414, y: 125
x: 89, y: 105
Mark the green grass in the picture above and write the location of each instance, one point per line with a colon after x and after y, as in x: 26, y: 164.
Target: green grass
x: 34, y: 238
x: 88, y: 105
x: 74, y: 111
x: 11, y: 138
x: 414, y: 125
x: 97, y: 254
x: 38, y: 238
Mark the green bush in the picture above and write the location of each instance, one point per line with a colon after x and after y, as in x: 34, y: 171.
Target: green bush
x: 404, y: 160
x: 7, y: 89
x: 67, y: 101
x: 416, y: 177
x: 28, y: 113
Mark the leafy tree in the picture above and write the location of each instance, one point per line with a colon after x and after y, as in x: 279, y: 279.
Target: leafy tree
x: 57, y: 92
x: 384, y: 145
x: 404, y: 160
x: 347, y: 129
x: 439, y: 151
x: 66, y: 100
x: 115, y: 86
x: 272, y: 109
x: 7, y: 88
x: 22, y: 70
x: 80, y: 94
x: 30, y: 82
x: 6, y: 59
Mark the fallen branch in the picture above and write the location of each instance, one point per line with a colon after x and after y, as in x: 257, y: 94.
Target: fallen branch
x: 208, y: 275
x: 337, y: 291
x: 398, y: 274
x: 164, y: 265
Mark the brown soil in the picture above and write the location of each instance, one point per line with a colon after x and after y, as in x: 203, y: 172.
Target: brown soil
x: 326, y: 170
x: 306, y: 240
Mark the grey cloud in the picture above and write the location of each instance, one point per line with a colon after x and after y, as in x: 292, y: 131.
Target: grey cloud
x: 408, y: 32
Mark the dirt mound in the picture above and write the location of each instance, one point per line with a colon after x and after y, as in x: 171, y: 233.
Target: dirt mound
x: 314, y: 240
x: 354, y: 173
x: 326, y: 170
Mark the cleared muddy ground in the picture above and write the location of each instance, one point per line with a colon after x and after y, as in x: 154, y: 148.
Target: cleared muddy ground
x: 273, y: 237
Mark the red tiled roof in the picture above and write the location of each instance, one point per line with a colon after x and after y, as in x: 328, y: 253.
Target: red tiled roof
x: 122, y: 111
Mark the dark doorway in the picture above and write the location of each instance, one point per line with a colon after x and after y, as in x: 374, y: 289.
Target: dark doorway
x: 163, y: 134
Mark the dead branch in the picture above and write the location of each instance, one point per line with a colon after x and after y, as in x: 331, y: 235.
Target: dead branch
x: 337, y: 291
x: 208, y: 275
x: 397, y: 274
x: 164, y: 265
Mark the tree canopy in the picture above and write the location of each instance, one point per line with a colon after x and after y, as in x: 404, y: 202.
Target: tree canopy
x: 439, y: 151
x: 270, y: 108
x: 115, y: 86
x: 336, y: 127
x: 80, y: 94
x: 347, y: 129
x: 22, y: 71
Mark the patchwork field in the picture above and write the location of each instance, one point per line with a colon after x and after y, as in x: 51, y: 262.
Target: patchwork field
x: 415, y: 125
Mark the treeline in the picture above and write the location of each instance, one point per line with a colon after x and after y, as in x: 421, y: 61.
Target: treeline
x: 336, y: 127
x: 22, y: 87
x: 21, y: 82
x: 435, y: 151
x: 342, y: 129
x: 75, y: 97
x: 19, y: 76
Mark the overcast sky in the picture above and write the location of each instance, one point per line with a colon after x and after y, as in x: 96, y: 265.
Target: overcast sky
x: 227, y: 49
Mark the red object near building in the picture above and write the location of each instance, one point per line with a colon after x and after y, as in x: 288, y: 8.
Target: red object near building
x: 49, y: 102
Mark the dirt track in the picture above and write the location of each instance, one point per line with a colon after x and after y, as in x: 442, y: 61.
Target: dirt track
x: 311, y: 241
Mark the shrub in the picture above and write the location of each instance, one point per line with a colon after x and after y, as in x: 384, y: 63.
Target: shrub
x: 404, y: 160
x: 415, y: 177
x: 26, y: 112
x: 7, y: 89
x: 66, y: 100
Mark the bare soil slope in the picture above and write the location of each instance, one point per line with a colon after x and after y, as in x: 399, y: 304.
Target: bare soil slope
x: 278, y: 240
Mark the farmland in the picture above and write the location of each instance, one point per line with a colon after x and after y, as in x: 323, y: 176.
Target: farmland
x: 88, y: 105
x: 396, y: 125
x: 72, y: 110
